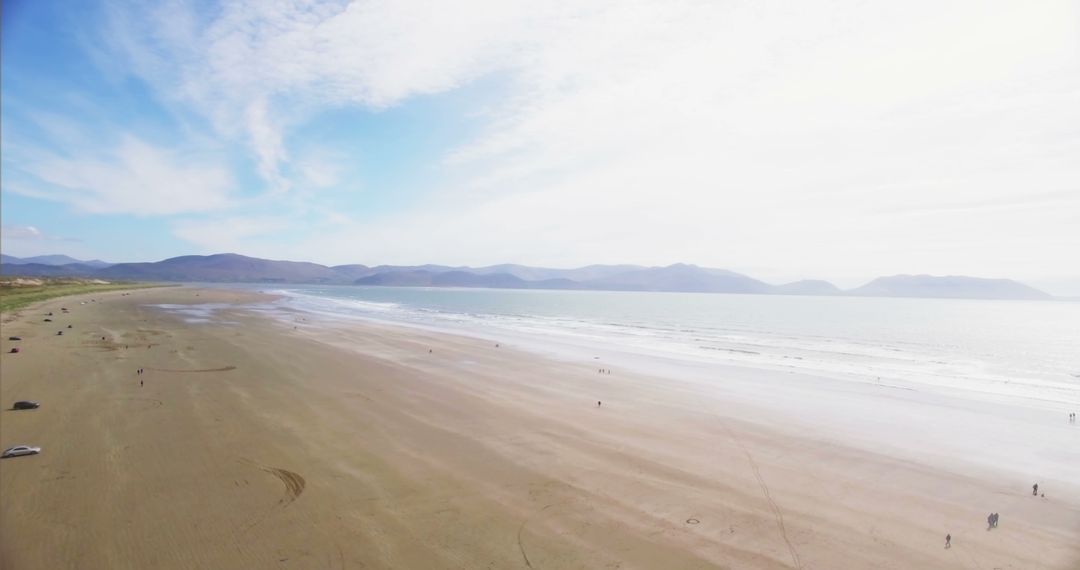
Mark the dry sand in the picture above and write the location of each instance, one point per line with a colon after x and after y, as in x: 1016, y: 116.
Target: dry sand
x: 257, y: 445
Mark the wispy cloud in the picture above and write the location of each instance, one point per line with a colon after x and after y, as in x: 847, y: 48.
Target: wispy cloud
x: 135, y: 177
x: 215, y: 235
x: 20, y: 232
x: 16, y: 232
x: 257, y: 68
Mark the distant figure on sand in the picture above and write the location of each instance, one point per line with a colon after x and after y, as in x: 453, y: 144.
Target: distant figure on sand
x: 948, y: 541
x: 995, y: 515
x: 140, y: 383
x: 598, y: 403
x: 989, y: 521
x: 1035, y: 489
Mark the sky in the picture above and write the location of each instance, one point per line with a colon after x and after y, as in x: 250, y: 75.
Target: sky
x: 785, y: 140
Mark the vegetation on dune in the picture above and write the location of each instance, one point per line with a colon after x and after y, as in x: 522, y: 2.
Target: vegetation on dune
x: 18, y: 292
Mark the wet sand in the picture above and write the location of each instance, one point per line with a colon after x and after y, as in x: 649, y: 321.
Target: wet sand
x: 256, y: 445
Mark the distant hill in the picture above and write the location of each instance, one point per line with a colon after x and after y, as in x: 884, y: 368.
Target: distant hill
x: 680, y: 277
x: 47, y: 270
x: 223, y: 267
x: 459, y: 278
x: 587, y: 273
x: 52, y: 260
x: 949, y: 287
x: 807, y: 287
x: 350, y: 272
x: 398, y: 278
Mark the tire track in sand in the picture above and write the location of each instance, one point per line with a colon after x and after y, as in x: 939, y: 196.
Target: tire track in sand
x: 222, y: 369
x: 778, y: 514
x: 293, y: 481
x: 521, y: 529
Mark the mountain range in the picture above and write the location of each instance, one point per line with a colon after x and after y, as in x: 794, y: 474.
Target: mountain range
x: 52, y: 260
x: 230, y: 267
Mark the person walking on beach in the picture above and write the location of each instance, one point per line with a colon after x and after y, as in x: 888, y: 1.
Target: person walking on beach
x: 995, y: 520
x: 598, y: 403
x: 948, y: 541
x: 140, y: 383
x: 990, y: 521
x: 1035, y: 489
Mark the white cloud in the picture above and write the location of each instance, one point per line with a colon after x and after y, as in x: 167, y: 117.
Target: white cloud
x: 133, y: 178
x: 829, y: 139
x: 258, y: 67
x: 30, y: 236
x: 12, y: 231
x: 230, y: 233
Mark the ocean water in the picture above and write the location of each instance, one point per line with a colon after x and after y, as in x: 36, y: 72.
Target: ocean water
x: 1019, y: 351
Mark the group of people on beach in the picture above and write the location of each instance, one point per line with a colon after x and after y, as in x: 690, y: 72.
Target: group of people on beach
x: 991, y: 519
x: 603, y: 371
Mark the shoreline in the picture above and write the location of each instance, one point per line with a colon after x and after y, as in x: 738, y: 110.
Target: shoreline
x: 334, y: 448
x: 1039, y: 390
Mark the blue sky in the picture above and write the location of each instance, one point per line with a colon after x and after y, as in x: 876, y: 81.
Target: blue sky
x: 833, y: 140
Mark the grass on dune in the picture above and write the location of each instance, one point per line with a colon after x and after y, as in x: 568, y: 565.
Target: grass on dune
x: 16, y: 293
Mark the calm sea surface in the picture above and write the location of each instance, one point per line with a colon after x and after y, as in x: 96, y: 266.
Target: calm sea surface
x: 1009, y: 348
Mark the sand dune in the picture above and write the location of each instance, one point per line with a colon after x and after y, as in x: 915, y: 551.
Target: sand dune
x: 257, y: 445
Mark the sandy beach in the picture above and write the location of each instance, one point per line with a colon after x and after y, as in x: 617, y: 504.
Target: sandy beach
x: 256, y: 442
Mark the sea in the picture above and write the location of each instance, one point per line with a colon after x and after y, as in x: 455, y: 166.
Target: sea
x: 1025, y: 351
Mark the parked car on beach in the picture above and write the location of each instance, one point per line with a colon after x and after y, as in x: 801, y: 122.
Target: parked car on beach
x: 20, y: 450
x: 25, y: 405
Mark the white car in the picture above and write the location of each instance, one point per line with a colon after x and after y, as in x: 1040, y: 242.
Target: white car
x: 20, y: 450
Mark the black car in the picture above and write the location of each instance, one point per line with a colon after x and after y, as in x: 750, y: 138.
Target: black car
x: 25, y: 405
